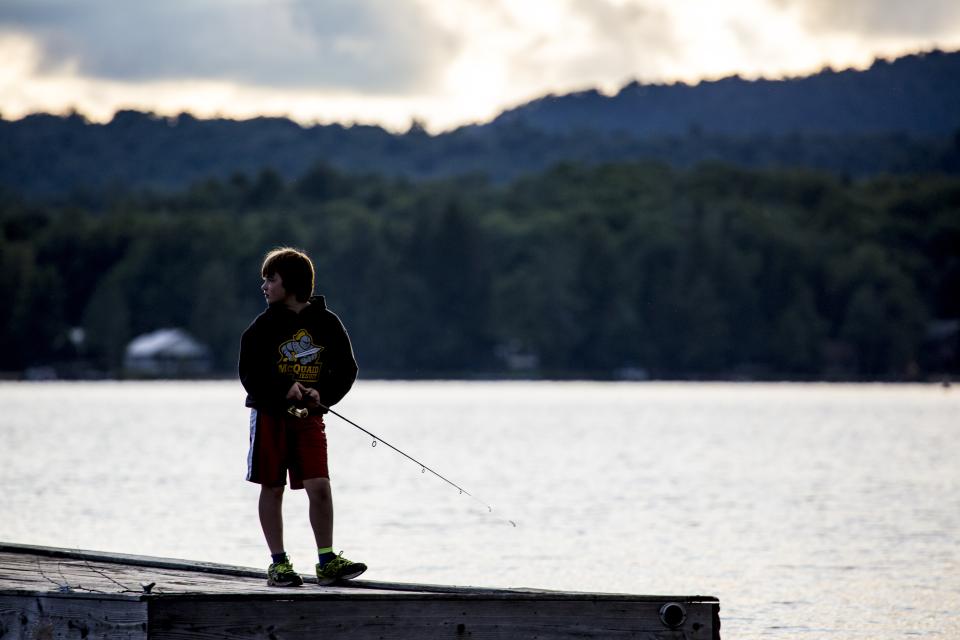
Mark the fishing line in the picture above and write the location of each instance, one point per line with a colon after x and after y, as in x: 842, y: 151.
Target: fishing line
x: 423, y: 468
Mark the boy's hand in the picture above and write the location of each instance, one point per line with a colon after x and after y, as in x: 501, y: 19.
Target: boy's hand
x: 296, y: 392
x: 300, y: 393
x: 312, y: 396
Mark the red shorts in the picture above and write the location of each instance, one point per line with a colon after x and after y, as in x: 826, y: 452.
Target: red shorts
x: 282, y: 444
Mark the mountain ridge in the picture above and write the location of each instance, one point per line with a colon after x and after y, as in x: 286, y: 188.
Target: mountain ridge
x: 895, y: 80
x: 900, y: 116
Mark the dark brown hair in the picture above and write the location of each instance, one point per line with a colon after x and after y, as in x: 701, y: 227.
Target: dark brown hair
x: 294, y: 268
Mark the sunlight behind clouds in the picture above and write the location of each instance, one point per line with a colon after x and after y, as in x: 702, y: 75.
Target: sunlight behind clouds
x: 445, y: 62
x: 749, y: 38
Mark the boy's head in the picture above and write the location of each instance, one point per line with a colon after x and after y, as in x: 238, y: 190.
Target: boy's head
x: 294, y: 268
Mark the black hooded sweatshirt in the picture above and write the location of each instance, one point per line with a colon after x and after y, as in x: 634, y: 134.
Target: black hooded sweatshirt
x: 282, y: 346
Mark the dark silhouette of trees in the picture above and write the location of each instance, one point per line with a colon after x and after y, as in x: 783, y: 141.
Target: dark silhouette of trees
x: 626, y: 269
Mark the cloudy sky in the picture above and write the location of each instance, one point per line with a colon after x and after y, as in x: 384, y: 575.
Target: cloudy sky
x: 443, y: 62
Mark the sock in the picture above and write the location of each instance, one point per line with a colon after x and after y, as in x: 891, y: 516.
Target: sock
x: 325, y: 555
x: 279, y: 557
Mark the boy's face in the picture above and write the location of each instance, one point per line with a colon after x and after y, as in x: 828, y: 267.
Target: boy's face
x: 273, y: 289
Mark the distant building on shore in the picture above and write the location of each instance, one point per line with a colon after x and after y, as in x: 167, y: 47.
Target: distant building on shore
x: 166, y: 353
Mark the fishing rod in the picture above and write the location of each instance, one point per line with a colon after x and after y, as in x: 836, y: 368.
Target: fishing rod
x: 424, y: 468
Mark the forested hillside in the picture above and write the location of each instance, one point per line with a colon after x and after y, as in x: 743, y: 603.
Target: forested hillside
x: 915, y: 95
x: 900, y: 117
x: 803, y: 229
x: 620, y: 270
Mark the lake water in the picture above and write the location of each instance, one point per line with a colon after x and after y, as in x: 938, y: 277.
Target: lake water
x: 811, y: 511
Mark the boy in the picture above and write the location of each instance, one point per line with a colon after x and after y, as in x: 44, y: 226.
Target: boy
x: 295, y: 360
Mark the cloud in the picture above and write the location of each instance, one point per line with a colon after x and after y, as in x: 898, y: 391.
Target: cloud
x: 879, y: 18
x: 362, y: 45
x: 448, y: 62
x: 511, y: 51
x: 627, y: 39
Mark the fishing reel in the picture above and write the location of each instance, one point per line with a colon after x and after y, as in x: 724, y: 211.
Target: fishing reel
x: 298, y: 412
x: 300, y: 408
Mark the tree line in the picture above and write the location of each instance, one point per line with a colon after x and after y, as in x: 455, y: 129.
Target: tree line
x: 72, y: 161
x: 596, y: 271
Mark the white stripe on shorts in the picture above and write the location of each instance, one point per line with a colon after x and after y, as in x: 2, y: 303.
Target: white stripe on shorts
x: 253, y: 438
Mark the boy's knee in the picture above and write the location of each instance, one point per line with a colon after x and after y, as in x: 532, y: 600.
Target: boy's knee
x: 272, y: 492
x: 317, y: 488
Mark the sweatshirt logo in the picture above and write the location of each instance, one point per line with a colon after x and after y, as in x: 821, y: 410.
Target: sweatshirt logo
x: 298, y: 357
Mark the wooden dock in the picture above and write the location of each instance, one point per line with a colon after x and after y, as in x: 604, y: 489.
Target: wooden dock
x: 60, y: 594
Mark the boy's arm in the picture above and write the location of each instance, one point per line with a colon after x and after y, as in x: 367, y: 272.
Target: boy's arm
x: 341, y: 367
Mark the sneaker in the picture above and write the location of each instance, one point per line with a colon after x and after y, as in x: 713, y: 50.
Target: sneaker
x: 281, y: 574
x: 339, y: 569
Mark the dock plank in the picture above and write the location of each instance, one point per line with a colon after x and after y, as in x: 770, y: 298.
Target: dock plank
x: 395, y: 618
x: 63, y: 594
x: 55, y: 618
x: 41, y: 573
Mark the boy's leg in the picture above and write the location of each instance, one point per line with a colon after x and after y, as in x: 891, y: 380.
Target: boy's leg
x: 271, y: 517
x: 321, y: 510
x: 331, y: 568
x: 266, y: 466
x: 309, y: 470
x: 280, y: 573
